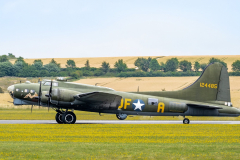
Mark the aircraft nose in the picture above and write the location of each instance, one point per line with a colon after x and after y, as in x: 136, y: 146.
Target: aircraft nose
x: 10, y: 88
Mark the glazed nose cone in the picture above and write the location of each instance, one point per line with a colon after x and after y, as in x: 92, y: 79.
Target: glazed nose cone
x: 10, y: 88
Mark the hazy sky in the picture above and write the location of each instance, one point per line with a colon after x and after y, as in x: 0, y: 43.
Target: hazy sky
x: 100, y: 28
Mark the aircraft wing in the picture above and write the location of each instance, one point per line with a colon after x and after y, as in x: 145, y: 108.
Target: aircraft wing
x: 100, y: 99
x: 199, y: 105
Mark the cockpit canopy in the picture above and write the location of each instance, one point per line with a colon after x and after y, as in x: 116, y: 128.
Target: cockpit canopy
x: 48, y: 83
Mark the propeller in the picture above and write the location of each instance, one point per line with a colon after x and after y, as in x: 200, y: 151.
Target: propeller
x: 39, y: 94
x: 50, y: 95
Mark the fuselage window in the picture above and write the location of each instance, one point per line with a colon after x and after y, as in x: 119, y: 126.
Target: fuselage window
x: 17, y: 90
x: 26, y: 90
x: 152, y: 101
x: 32, y: 91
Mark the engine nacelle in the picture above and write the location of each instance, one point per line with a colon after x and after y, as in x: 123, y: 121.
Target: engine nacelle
x: 63, y: 95
x: 44, y: 99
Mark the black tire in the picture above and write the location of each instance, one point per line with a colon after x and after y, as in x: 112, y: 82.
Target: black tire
x: 69, y: 118
x: 58, y: 118
x: 121, y: 116
x: 186, y: 121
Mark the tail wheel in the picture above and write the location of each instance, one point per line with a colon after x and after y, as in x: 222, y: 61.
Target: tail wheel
x: 186, y: 121
x: 58, y: 118
x: 69, y: 118
x: 121, y: 116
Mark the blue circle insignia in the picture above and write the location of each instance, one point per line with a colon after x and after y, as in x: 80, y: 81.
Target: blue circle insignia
x: 138, y: 105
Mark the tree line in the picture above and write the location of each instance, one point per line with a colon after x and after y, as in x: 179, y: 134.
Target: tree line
x: 53, y: 69
x: 172, y: 65
x: 145, y: 67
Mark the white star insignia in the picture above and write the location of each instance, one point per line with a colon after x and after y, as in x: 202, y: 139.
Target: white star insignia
x: 138, y: 105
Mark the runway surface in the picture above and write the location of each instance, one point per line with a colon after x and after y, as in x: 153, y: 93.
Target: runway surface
x: 114, y: 122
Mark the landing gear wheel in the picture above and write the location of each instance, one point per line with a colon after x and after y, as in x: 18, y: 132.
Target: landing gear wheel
x: 186, y: 121
x: 69, y: 118
x: 121, y: 116
x: 58, y: 118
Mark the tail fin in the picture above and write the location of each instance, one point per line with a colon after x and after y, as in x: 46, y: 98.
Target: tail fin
x: 212, y: 85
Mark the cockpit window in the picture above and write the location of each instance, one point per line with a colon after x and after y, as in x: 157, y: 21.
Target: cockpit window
x: 26, y: 90
x: 42, y: 82
x: 47, y: 83
x: 32, y: 91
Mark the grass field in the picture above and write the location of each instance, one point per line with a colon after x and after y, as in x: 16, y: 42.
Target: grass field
x: 97, y: 61
x: 108, y: 141
x: 44, y: 114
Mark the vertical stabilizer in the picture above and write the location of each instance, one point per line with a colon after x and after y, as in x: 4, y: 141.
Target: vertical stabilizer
x: 212, y: 85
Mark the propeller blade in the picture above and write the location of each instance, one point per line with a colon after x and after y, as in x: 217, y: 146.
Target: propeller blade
x: 31, y: 108
x: 50, y: 94
x: 39, y: 94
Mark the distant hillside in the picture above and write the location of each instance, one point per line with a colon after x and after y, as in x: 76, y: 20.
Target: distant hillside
x: 97, y: 61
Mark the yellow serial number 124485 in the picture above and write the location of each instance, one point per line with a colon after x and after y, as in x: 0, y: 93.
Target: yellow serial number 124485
x: 208, y: 85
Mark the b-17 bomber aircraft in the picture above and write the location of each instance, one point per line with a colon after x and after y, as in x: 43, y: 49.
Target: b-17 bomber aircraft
x: 209, y: 95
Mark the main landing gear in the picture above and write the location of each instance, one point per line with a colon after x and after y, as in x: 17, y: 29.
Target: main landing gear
x: 58, y: 118
x: 186, y: 121
x: 65, y: 117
